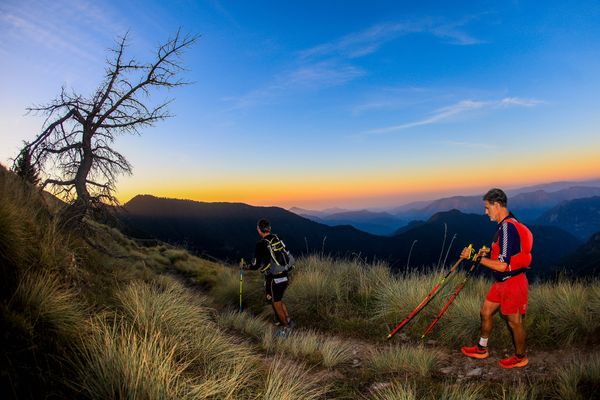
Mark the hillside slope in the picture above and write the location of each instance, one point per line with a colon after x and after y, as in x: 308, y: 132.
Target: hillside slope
x: 89, y: 313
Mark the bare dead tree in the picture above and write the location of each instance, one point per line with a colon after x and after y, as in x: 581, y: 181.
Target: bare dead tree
x: 75, y: 148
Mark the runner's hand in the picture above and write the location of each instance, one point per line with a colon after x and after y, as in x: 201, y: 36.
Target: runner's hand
x: 483, y: 252
x: 466, y: 253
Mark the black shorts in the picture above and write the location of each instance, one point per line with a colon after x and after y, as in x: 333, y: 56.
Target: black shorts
x: 275, y: 285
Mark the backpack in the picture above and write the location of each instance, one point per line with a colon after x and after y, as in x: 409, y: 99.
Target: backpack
x: 281, y: 259
x: 523, y: 258
x: 520, y: 262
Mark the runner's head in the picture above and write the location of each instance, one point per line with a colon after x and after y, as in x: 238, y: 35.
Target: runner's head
x: 263, y: 226
x: 496, y: 196
x: 495, y: 204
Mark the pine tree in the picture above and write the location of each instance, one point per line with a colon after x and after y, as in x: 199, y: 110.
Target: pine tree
x: 25, y: 168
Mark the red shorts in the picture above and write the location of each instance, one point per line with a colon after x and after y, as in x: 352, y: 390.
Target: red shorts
x: 511, y: 294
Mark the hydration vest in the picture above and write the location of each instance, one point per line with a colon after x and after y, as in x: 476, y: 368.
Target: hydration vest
x: 281, y: 259
x: 519, y: 262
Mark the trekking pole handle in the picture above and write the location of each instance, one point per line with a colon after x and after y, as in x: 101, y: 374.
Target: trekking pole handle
x: 482, y: 252
x: 468, y: 253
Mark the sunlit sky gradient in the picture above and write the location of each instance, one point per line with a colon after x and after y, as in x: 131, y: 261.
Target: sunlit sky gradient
x: 320, y: 104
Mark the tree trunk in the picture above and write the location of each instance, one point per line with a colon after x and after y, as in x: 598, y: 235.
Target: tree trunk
x: 87, y: 157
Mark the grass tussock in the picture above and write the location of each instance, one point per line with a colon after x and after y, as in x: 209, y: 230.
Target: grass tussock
x: 288, y: 381
x: 50, y: 307
x: 461, y: 391
x: 521, y: 391
x: 396, y: 391
x: 167, y: 308
x: 307, y: 345
x: 413, y: 359
x: 567, y: 306
x: 246, y: 324
x: 323, y: 350
x: 118, y: 362
x: 580, y: 379
x: 170, y: 311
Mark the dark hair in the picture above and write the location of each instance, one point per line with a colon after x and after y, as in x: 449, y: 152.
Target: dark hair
x: 496, y: 195
x: 264, y: 225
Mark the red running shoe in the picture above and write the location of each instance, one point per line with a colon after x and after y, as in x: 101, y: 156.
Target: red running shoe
x: 514, y: 362
x: 475, y: 352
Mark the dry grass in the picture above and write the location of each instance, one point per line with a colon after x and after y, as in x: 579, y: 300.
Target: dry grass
x: 462, y: 391
x: 368, y: 301
x: 120, y: 363
x: 580, y: 379
x: 396, y: 391
x: 309, y: 346
x: 287, y: 381
x: 392, y: 359
x: 50, y: 307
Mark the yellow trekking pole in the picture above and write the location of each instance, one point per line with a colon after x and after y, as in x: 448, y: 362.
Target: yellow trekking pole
x: 242, y: 264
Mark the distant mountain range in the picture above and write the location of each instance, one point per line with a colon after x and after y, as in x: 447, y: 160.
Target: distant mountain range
x: 377, y: 223
x: 227, y: 231
x: 555, y: 186
x: 585, y: 261
x: 527, y: 206
x: 581, y: 217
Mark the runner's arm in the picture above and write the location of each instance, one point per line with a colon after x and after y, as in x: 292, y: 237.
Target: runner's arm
x: 261, y: 257
x: 495, y: 265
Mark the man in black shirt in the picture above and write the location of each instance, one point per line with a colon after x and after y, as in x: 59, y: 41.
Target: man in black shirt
x: 275, y: 282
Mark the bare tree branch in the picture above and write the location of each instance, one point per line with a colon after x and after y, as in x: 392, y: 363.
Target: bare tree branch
x: 74, y: 151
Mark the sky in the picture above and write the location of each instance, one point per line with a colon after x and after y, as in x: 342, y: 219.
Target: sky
x: 327, y: 104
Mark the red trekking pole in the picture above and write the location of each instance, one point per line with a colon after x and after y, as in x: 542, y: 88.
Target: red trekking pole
x: 427, y: 298
x: 456, y: 292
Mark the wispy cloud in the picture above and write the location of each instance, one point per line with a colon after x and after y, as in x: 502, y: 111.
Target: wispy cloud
x: 462, y: 107
x: 72, y: 27
x: 363, y: 43
x: 309, y: 76
x: 333, y: 63
x: 390, y: 98
x: 45, y: 37
x: 359, y: 44
x: 516, y: 101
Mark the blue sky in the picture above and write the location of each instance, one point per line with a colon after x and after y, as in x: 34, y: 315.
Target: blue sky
x: 318, y: 104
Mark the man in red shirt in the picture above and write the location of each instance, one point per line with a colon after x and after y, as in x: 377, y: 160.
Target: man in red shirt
x: 509, y: 259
